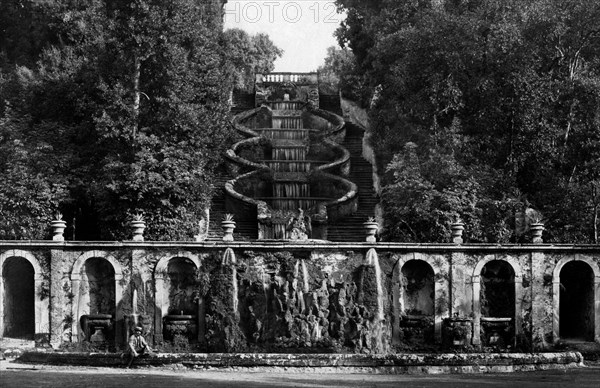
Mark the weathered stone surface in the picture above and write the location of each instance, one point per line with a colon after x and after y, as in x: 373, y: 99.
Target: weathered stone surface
x: 404, y: 363
x: 301, y: 297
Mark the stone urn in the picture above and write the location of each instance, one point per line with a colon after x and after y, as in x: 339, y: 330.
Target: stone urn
x: 228, y: 225
x: 371, y: 228
x: 58, y: 228
x: 537, y: 229
x: 457, y: 228
x: 137, y: 225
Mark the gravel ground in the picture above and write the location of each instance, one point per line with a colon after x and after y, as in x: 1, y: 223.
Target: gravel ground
x: 23, y: 375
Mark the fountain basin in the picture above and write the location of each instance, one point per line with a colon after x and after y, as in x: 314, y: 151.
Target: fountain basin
x: 417, y: 329
x: 457, y: 332
x: 97, y: 327
x: 497, y: 331
x: 180, y: 325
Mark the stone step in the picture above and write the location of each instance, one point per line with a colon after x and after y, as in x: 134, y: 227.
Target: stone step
x: 350, y: 228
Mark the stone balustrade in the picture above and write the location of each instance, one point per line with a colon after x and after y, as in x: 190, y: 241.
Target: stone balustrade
x: 283, y: 77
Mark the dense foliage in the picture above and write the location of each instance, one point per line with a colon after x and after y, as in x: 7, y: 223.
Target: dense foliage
x: 340, y: 72
x: 249, y: 55
x: 109, y: 109
x: 481, y: 107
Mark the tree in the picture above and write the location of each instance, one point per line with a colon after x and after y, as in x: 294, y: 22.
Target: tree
x: 136, y: 93
x: 24, y: 31
x: 31, y: 167
x: 516, y: 81
x: 249, y: 55
x: 339, y: 71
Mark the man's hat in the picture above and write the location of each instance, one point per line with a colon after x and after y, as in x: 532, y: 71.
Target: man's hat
x: 138, y: 328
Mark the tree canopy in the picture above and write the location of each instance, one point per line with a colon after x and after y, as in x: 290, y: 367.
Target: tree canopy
x: 480, y: 107
x: 120, y: 108
x: 249, y: 55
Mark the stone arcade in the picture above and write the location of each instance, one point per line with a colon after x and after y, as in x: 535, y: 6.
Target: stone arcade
x: 273, y: 296
x: 272, y: 291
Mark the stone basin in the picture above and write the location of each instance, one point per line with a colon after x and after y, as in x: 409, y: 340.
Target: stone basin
x: 497, y: 331
x: 97, y: 325
x: 496, y: 320
x: 415, y: 320
x: 179, y: 317
x: 181, y: 324
x: 457, y: 332
x: 98, y: 316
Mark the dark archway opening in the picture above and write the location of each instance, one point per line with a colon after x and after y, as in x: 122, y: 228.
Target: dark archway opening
x: 577, y: 301
x: 497, y: 304
x: 19, y: 298
x: 418, y: 297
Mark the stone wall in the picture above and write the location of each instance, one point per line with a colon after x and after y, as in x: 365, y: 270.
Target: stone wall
x: 307, y: 296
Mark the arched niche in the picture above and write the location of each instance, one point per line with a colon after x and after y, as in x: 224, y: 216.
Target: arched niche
x: 162, y: 282
x: 593, y: 271
x: 516, y: 279
x: 417, y: 288
x: 417, y: 301
x: 79, y: 279
x: 441, y: 300
x: 41, y: 303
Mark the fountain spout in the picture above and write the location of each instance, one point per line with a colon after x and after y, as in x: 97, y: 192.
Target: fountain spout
x: 134, y: 298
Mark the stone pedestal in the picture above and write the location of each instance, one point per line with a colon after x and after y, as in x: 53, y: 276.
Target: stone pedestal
x: 497, y: 332
x: 457, y: 333
x: 417, y: 329
x: 97, y: 328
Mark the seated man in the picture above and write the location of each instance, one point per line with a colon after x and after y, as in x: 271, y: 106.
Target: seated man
x: 138, y: 347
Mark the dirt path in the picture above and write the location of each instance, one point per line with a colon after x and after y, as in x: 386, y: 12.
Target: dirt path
x: 23, y: 375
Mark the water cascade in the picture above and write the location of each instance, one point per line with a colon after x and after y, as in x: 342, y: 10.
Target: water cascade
x: 305, y: 285
x: 134, y: 301
x: 229, y: 261
x: 289, y: 165
x: 293, y: 153
x: 289, y: 132
x: 291, y: 189
x: 287, y: 122
x: 284, y: 134
x: 372, y: 260
x: 286, y: 105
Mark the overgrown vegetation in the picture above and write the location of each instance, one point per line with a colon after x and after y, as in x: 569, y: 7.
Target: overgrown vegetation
x: 479, y: 107
x: 113, y: 108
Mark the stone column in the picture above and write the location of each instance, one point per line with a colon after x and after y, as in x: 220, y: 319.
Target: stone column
x: 398, y: 302
x: 597, y: 309
x: 541, y: 316
x: 460, y: 291
x: 476, y: 280
x: 60, y: 301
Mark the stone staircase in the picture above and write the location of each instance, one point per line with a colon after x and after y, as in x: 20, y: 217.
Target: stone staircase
x: 245, y: 229
x: 347, y: 229
x: 350, y: 228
